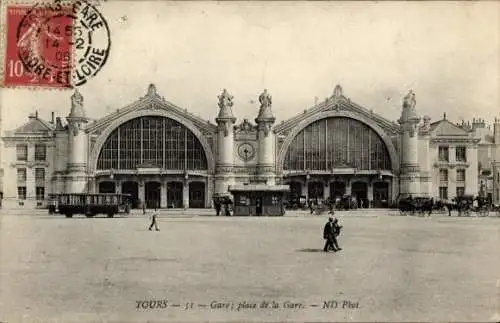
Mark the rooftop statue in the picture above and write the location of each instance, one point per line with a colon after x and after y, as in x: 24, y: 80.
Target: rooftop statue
x: 265, y: 99
x: 77, y: 98
x: 409, y: 100
x: 77, y: 105
x: 225, y: 99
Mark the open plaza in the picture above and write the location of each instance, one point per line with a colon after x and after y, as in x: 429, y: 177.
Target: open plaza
x: 206, y: 268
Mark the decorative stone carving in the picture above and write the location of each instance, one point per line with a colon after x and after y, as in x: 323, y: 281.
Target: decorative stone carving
x: 265, y: 169
x: 426, y: 126
x: 74, y: 128
x: 226, y: 127
x: 151, y: 90
x: 223, y: 169
x: 413, y: 130
x: 265, y: 127
x: 337, y: 92
x: 405, y: 169
x: 245, y: 126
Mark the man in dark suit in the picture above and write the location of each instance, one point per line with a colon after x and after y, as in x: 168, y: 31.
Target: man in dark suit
x: 330, y: 233
x: 154, y: 221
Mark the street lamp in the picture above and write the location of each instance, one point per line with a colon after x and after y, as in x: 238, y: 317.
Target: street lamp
x: 111, y: 174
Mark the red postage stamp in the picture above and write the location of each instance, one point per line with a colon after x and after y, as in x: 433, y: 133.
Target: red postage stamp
x: 58, y: 44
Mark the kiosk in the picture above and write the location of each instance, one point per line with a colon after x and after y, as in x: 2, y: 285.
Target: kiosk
x: 259, y: 199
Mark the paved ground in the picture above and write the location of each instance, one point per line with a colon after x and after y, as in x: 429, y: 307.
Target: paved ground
x: 392, y: 268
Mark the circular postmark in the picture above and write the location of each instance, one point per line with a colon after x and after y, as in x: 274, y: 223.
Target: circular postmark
x: 63, y: 42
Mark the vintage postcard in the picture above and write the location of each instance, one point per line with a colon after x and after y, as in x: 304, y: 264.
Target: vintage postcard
x: 249, y: 161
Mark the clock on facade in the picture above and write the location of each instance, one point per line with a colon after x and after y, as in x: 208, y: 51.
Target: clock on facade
x: 246, y: 151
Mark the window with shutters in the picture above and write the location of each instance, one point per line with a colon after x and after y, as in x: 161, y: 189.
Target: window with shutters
x: 461, y: 154
x: 40, y: 193
x: 443, y: 193
x: 40, y: 176
x: 444, y: 153
x: 22, y: 152
x: 40, y: 152
x: 21, y: 192
x: 443, y: 175
x: 461, y: 175
x: 21, y: 175
x: 460, y: 191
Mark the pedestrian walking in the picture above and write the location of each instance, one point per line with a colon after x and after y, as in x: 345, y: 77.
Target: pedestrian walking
x: 330, y: 233
x: 217, y: 207
x: 154, y: 221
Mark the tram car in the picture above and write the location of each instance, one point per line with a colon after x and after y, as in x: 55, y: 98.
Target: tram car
x: 91, y: 205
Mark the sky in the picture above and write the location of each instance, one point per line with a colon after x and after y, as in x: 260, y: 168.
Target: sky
x: 446, y: 52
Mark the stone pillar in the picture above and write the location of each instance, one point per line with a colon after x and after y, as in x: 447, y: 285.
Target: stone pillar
x: 452, y: 183
x: 163, y: 194
x: 393, y: 189
x: 185, y: 194
x: 225, y: 144
x: 410, y: 168
x: 209, y: 189
x: 266, y: 140
x: 348, y: 186
x: 305, y: 189
x: 496, y: 161
x: 142, y: 191
x: 326, y: 190
x: 369, y: 193
x: 77, y: 145
x: 118, y: 186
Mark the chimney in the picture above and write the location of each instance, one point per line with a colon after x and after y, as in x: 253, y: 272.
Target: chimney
x: 496, y: 131
x: 36, y: 114
x: 59, y: 125
x: 52, y: 119
x: 478, y: 123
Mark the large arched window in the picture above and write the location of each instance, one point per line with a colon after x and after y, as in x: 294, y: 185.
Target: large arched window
x: 337, y: 142
x: 157, y: 141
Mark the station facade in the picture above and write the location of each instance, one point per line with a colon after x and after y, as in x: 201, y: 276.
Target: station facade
x: 165, y: 156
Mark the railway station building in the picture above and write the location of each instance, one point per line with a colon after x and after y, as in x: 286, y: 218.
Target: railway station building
x: 165, y: 156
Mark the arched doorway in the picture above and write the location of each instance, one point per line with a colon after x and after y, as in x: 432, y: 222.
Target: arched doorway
x: 197, y: 195
x: 360, y: 190
x: 152, y: 194
x: 337, y: 189
x: 316, y: 190
x: 174, y: 194
x: 107, y: 187
x: 380, y: 194
x: 131, y: 188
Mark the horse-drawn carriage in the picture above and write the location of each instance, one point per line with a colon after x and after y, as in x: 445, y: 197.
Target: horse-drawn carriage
x: 464, y: 205
x: 411, y: 205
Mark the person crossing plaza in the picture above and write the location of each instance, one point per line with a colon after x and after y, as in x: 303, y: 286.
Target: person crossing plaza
x: 330, y: 233
x: 154, y: 221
